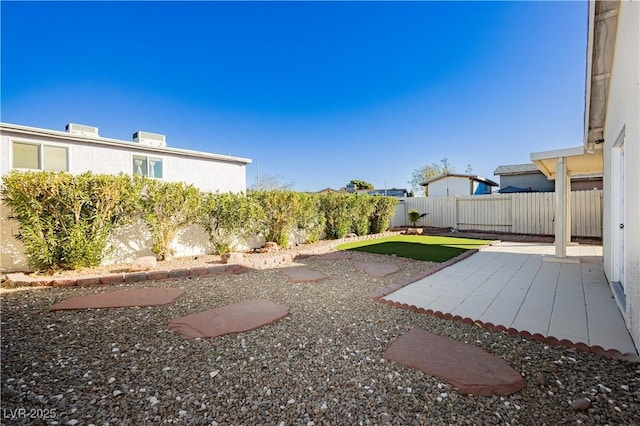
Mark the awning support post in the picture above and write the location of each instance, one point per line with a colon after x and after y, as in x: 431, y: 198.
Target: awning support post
x: 562, y: 208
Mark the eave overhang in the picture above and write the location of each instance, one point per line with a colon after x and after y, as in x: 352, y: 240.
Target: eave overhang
x: 579, y: 163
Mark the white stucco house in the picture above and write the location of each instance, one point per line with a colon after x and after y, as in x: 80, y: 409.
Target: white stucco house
x: 611, y: 146
x: 457, y: 184
x: 80, y: 149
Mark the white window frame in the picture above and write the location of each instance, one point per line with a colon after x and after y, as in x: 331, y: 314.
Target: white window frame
x: 41, y: 157
x: 148, y: 159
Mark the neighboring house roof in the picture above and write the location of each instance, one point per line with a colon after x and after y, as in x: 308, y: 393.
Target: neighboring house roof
x: 34, y: 131
x: 393, y: 192
x: 472, y: 177
x: 331, y: 190
x: 514, y: 189
x: 516, y: 169
x: 530, y: 168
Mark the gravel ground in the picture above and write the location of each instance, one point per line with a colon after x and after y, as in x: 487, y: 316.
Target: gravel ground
x: 322, y: 364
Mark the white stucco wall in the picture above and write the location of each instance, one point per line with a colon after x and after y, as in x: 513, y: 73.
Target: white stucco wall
x: 623, y: 117
x: 450, y: 185
x: 205, y: 173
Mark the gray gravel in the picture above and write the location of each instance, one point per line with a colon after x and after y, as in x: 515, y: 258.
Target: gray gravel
x: 322, y: 364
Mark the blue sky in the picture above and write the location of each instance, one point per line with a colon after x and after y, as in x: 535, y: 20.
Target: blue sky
x: 318, y: 93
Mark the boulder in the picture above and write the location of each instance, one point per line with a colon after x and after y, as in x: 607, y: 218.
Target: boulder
x: 144, y: 263
x: 232, y: 257
x: 271, y: 246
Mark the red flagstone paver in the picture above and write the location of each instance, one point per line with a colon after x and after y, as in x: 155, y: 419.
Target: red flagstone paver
x: 235, y: 318
x: 466, y: 367
x: 334, y: 255
x: 376, y: 269
x: 299, y: 274
x: 121, y: 298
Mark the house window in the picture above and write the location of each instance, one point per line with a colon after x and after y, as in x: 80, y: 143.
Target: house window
x: 40, y: 157
x: 147, y: 166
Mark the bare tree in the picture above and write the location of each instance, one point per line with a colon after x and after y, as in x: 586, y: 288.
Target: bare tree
x: 269, y: 182
x: 420, y: 175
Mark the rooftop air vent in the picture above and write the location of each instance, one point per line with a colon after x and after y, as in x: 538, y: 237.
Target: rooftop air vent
x: 81, y: 129
x: 151, y: 139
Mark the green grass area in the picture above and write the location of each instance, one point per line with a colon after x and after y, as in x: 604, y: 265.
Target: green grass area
x: 419, y: 247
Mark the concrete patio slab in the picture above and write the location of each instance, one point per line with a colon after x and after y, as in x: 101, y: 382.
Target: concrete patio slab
x: 509, y: 285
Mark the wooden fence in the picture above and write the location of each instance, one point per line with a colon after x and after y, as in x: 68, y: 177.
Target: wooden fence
x: 521, y: 213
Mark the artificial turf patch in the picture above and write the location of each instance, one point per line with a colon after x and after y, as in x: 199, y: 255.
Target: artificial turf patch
x: 419, y: 247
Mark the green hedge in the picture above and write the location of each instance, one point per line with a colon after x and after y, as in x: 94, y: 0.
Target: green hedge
x: 65, y: 220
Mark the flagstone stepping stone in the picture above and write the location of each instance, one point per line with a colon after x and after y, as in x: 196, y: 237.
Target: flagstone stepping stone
x: 334, y: 255
x: 466, y: 367
x: 299, y: 274
x: 235, y: 318
x: 376, y: 269
x: 121, y: 298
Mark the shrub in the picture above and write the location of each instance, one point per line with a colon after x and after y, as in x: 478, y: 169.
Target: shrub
x: 65, y: 220
x: 384, y: 209
x: 414, y: 216
x: 229, y: 218
x: 279, y: 210
x: 361, y: 208
x: 167, y: 208
x: 309, y: 217
x: 335, y: 208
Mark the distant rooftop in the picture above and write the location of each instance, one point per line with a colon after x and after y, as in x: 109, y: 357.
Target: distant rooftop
x: 516, y: 169
x: 472, y: 177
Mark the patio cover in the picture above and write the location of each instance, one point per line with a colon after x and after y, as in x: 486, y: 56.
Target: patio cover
x: 561, y: 165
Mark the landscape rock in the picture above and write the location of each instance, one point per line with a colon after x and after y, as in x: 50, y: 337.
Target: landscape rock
x: 271, y: 246
x: 232, y: 257
x: 468, y: 368
x: 415, y: 231
x: 581, y: 404
x: 144, y: 263
x: 234, y: 318
x: 376, y: 269
x: 303, y: 275
x: 121, y: 298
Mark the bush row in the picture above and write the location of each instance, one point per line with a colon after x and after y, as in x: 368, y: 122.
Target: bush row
x: 65, y: 220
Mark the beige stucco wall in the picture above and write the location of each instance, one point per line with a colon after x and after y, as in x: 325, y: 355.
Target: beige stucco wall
x: 623, y: 117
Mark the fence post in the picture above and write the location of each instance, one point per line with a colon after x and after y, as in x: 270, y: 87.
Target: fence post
x: 455, y: 212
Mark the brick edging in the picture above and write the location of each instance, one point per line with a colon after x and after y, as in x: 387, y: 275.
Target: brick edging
x: 20, y: 279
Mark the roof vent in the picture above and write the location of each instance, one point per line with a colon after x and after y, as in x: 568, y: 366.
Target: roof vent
x: 151, y: 139
x: 81, y: 129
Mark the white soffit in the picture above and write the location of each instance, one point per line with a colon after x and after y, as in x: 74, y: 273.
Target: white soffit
x: 578, y: 162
